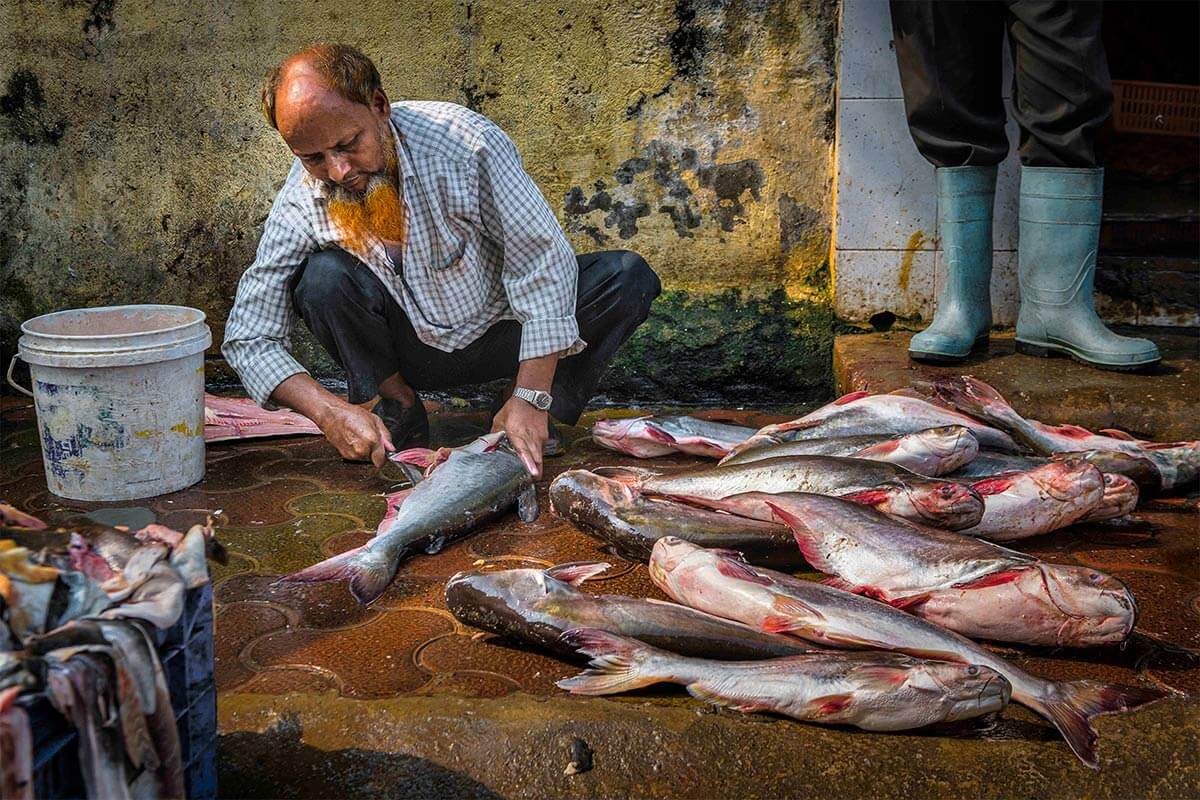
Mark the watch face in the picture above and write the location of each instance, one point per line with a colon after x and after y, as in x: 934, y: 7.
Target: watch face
x: 541, y: 400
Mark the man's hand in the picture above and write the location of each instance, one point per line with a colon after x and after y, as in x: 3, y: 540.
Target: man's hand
x: 357, y: 434
x: 527, y: 429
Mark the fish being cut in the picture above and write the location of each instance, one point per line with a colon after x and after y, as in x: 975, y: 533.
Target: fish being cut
x: 615, y: 512
x: 537, y: 606
x: 873, y: 691
x: 647, y: 437
x: 472, y: 485
x: 721, y: 583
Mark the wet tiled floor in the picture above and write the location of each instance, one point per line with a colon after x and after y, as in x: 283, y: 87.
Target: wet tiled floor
x: 284, y: 504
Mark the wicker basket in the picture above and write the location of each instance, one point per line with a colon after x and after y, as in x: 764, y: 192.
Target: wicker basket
x: 1169, y: 109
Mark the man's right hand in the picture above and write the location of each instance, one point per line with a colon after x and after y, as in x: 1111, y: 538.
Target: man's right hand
x: 357, y: 434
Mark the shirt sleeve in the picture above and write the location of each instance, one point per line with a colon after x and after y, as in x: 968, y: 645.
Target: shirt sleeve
x: 540, y: 271
x: 258, y: 331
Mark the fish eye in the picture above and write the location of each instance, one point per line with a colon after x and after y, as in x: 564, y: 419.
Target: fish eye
x: 1095, y: 577
x: 972, y: 670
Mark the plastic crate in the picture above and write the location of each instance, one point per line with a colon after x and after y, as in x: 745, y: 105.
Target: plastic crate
x: 1168, y: 109
x: 186, y: 652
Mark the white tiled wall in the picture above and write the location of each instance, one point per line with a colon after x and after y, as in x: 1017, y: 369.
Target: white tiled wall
x: 886, y: 195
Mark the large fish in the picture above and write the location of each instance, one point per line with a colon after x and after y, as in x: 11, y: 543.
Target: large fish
x: 881, y: 414
x: 1018, y: 505
x: 647, y: 437
x: 1178, y: 462
x: 872, y: 691
x: 538, y: 606
x: 471, y: 486
x: 614, y: 512
x: 933, y: 452
x: 719, y: 582
x: 889, y: 488
x: 973, y: 587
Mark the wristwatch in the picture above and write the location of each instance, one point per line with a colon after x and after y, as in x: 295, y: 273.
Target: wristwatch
x: 538, y: 399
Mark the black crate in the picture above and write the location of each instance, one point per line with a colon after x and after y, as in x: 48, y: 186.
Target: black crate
x: 186, y: 652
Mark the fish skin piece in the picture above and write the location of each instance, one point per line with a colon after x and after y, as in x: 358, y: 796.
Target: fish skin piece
x: 933, y: 452
x: 648, y: 437
x: 228, y: 418
x: 538, y: 606
x: 719, y: 582
x: 869, y: 690
x: 883, y: 414
x: 13, y: 516
x: 1023, y: 504
x: 889, y: 488
x: 615, y: 512
x: 967, y: 585
x: 1177, y: 462
x: 466, y: 490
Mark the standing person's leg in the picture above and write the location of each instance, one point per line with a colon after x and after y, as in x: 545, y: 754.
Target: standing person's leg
x: 949, y: 55
x: 1062, y: 94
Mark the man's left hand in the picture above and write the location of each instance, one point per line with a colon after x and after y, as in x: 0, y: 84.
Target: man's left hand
x: 527, y: 429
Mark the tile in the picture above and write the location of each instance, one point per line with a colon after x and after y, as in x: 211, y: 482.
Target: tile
x: 1005, y: 294
x: 867, y: 59
x: 886, y: 195
x: 868, y: 282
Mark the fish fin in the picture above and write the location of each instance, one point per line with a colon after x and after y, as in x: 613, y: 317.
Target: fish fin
x: 712, y: 696
x: 740, y: 570
x: 368, y: 576
x: 657, y: 434
x: 576, y: 572
x: 625, y: 474
x: 1114, y: 433
x: 421, y: 457
x: 846, y: 399
x: 991, y: 579
x: 882, y: 676
x: 725, y: 552
x: 527, y: 504
x: 804, y: 538
x: 1075, y: 703
x: 829, y: 704
x: 838, y: 583
x: 617, y: 663
x: 909, y: 603
x: 877, y: 449
x: 995, y: 484
x: 1070, y: 431
x: 790, y: 615
x: 867, y: 497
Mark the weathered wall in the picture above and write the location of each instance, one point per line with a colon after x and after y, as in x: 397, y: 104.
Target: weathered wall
x: 134, y: 166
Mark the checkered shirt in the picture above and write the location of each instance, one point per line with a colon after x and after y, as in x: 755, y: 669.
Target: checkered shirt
x: 482, y: 246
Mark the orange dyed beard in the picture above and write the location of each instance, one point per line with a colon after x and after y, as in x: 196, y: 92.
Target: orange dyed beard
x: 377, y: 213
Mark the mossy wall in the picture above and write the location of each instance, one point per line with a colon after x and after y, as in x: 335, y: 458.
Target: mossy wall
x: 134, y: 166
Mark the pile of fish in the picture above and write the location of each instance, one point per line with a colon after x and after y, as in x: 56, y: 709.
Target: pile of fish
x: 77, y: 609
x: 902, y: 500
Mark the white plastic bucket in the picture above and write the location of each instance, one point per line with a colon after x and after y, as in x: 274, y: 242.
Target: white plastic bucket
x: 119, y: 393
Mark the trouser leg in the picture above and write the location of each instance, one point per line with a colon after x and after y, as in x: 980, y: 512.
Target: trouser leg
x: 352, y: 316
x: 949, y: 54
x: 1062, y: 90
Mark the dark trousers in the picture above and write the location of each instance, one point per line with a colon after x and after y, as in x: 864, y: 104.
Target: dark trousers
x: 949, y: 55
x: 364, y: 329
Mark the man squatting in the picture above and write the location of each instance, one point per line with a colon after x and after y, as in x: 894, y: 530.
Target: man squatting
x: 418, y: 251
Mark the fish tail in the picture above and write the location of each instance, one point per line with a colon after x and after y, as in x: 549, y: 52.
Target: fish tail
x: 1073, y: 704
x: 618, y: 664
x: 369, y: 573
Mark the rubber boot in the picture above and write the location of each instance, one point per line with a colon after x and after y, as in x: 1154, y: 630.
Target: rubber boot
x: 1060, y: 235
x: 964, y: 307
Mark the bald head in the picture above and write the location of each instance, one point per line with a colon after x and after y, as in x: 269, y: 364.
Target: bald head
x: 327, y: 103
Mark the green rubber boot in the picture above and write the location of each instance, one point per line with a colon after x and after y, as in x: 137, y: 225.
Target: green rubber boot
x: 1060, y: 234
x: 964, y: 307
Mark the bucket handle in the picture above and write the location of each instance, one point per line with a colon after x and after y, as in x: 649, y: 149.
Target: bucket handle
x: 12, y: 362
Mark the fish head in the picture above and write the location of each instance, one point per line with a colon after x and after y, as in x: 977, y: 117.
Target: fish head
x: 953, y: 445
x: 1120, y: 498
x: 641, y: 437
x: 1140, y: 469
x: 1095, y: 608
x: 668, y: 554
x: 496, y: 600
x: 1068, y: 480
x: 965, y: 690
x: 580, y: 492
x: 940, y: 504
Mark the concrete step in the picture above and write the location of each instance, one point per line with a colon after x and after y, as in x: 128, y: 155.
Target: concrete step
x: 1160, y: 405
